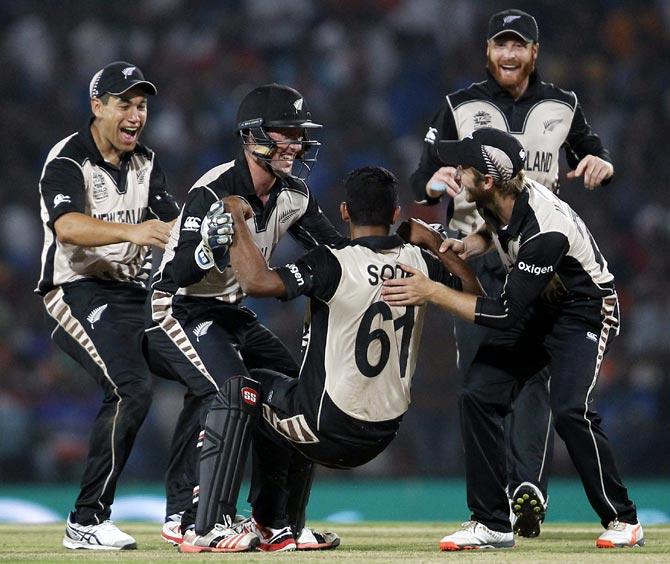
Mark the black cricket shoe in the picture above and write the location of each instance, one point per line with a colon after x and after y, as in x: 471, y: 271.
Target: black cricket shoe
x: 529, y: 509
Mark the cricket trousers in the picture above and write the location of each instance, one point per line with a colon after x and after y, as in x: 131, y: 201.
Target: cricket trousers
x: 100, y: 325
x: 202, y: 342
x: 573, y: 350
x: 529, y: 434
x: 286, y: 448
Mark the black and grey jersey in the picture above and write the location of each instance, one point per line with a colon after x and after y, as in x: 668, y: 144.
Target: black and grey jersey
x: 544, y: 119
x: 360, y: 353
x: 291, y: 208
x: 551, y: 256
x: 76, y: 178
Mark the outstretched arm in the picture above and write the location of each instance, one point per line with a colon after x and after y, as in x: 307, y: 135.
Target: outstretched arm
x: 418, y: 289
x: 419, y: 233
x: 251, y: 269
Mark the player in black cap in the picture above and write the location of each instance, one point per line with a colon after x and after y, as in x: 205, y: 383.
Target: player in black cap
x: 202, y: 335
x: 545, y: 119
x: 104, y: 204
x: 558, y: 308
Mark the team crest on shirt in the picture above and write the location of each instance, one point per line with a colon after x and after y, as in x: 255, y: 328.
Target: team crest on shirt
x: 286, y: 215
x: 482, y: 119
x: 550, y: 124
x: 99, y: 187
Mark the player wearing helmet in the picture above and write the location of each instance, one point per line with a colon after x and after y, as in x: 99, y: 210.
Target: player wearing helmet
x: 200, y: 334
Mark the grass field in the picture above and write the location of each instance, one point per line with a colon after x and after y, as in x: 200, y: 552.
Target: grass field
x: 365, y: 542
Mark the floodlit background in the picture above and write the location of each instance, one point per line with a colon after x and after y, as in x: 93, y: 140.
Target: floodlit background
x: 374, y: 73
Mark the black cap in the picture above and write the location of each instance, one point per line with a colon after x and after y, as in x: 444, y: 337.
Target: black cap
x: 514, y: 21
x: 274, y: 105
x: 118, y: 77
x: 489, y: 150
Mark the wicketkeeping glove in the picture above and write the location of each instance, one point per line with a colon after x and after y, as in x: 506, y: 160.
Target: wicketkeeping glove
x: 217, y: 235
x: 217, y: 228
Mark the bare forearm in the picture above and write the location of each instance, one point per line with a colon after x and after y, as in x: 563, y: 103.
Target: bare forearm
x: 249, y: 265
x: 458, y: 303
x: 86, y: 231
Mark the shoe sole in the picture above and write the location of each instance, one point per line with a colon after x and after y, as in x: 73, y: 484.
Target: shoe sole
x: 286, y: 546
x: 322, y: 546
x: 451, y: 546
x: 174, y: 541
x: 610, y: 544
x: 529, y: 512
x: 78, y: 545
x: 191, y: 548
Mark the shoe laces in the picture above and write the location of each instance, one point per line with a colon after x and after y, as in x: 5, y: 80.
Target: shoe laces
x: 616, y: 525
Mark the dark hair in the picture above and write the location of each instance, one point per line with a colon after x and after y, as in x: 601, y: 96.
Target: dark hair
x: 372, y: 195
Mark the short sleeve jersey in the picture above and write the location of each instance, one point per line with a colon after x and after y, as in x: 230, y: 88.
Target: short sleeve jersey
x: 360, y: 353
x: 75, y: 178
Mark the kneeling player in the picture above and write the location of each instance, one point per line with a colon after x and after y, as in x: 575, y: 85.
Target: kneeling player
x: 354, y: 385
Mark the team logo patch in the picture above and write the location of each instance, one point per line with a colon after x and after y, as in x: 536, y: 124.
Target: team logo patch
x: 286, y: 215
x: 61, y: 199
x: 431, y: 135
x: 201, y: 329
x: 482, y: 119
x: 550, y: 125
x: 99, y: 187
x: 94, y: 316
x: 128, y: 72
x: 140, y: 175
x: 509, y: 19
x: 191, y: 223
x: 249, y: 395
x: 592, y: 336
x: 298, y: 104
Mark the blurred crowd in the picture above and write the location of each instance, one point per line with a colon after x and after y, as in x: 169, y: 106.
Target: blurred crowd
x: 373, y: 72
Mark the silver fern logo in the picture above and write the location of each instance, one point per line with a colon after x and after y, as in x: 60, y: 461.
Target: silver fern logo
x: 550, y: 124
x: 201, y: 329
x: 286, y: 215
x: 95, y: 315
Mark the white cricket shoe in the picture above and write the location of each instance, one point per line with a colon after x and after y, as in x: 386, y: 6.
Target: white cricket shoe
x: 309, y: 539
x: 220, y: 539
x: 621, y: 535
x: 474, y: 535
x: 271, y: 540
x: 105, y: 536
x: 171, y: 531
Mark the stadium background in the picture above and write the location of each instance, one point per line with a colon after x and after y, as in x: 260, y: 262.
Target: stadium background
x: 373, y: 72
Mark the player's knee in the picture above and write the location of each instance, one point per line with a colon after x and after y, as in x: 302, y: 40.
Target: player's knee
x: 137, y: 395
x: 566, y: 416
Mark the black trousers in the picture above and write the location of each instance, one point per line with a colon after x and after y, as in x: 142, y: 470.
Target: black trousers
x: 202, y: 342
x: 101, y: 326
x: 529, y: 433
x: 285, y: 448
x: 573, y: 350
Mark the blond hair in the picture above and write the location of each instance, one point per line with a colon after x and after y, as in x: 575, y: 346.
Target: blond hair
x: 511, y: 187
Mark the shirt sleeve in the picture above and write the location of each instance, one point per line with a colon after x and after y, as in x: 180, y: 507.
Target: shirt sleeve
x: 582, y: 141
x: 442, y: 127
x: 314, y: 228
x: 535, y: 267
x: 62, y: 187
x: 161, y: 203
x: 439, y: 273
x: 316, y: 274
